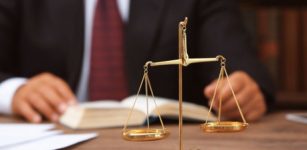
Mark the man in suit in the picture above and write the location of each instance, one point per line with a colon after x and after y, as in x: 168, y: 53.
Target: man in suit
x: 46, y: 45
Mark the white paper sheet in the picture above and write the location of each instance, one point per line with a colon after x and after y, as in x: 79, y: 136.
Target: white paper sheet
x: 54, y: 142
x: 11, y: 134
x: 10, y: 140
x: 297, y: 117
x: 16, y: 128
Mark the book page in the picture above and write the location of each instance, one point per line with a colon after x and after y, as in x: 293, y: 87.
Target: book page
x: 141, y: 103
x: 168, y: 107
x: 101, y: 104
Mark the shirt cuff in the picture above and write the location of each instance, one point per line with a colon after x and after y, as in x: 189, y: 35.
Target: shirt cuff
x: 7, y: 91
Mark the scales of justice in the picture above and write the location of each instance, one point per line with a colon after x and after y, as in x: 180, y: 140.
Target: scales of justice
x: 151, y: 134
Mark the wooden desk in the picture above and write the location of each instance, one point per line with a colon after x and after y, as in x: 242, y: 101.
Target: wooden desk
x: 273, y: 132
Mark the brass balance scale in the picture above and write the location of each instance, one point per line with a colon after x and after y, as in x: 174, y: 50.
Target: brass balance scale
x: 151, y: 134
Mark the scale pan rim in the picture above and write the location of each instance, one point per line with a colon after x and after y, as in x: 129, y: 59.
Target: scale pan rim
x: 145, y: 134
x: 223, y: 126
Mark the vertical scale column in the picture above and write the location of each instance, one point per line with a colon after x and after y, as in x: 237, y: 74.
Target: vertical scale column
x: 182, y: 27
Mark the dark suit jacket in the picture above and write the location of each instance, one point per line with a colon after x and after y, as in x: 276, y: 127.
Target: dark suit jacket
x: 47, y: 36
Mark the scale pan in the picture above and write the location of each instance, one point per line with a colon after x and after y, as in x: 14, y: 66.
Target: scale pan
x: 223, y: 126
x: 145, y: 134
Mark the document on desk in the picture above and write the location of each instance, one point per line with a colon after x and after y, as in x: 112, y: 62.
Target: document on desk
x: 297, y: 117
x: 15, y: 128
x: 54, y: 142
x: 11, y: 134
x: 37, y: 136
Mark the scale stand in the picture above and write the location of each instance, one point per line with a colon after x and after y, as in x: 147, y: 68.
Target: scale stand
x: 150, y: 134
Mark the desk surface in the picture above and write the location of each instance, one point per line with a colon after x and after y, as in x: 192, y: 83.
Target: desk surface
x: 272, y: 132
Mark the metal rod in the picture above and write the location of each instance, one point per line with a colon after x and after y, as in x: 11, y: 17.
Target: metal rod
x: 200, y: 60
x: 180, y: 105
x: 181, y: 32
x: 146, y: 91
x: 162, y: 63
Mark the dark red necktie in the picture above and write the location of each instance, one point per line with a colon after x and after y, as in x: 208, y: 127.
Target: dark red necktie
x: 107, y: 79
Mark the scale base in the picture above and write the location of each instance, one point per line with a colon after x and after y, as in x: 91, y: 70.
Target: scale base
x: 145, y: 134
x: 223, y: 126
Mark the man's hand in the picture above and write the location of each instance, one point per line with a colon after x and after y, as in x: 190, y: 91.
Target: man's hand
x: 248, y: 93
x: 43, y: 95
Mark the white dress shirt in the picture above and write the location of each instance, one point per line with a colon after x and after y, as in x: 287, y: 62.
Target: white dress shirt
x: 9, y: 86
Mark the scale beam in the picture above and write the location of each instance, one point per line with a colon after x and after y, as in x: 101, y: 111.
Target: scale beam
x: 180, y: 62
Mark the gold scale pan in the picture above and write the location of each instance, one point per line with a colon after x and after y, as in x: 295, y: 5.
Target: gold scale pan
x: 150, y: 134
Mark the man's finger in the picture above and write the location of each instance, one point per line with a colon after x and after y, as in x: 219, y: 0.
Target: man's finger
x: 258, y: 110
x: 210, y: 89
x: 26, y: 111
x: 53, y: 98
x: 64, y: 90
x: 42, y: 106
x: 243, y: 98
x: 237, y: 87
x: 250, y: 106
x: 223, y: 89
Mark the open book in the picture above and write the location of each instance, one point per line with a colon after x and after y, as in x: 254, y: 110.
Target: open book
x: 107, y: 113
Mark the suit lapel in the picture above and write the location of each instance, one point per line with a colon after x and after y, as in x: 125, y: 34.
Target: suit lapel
x: 140, y: 34
x: 76, y: 42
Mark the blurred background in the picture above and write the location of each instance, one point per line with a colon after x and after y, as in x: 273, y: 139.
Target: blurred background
x: 279, y: 31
